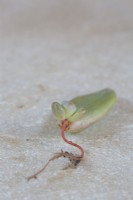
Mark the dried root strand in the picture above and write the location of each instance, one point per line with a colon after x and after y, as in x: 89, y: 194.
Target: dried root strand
x: 75, y: 160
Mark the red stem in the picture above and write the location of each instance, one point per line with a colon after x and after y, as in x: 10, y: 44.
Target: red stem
x: 70, y: 142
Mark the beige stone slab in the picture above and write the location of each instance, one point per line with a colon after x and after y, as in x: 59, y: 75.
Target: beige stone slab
x: 53, y: 51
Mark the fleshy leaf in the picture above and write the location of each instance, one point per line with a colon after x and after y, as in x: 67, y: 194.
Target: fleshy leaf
x: 77, y: 115
x: 69, y: 108
x: 58, y: 111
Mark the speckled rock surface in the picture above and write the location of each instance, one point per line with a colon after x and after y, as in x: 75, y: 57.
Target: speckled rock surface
x: 52, y: 51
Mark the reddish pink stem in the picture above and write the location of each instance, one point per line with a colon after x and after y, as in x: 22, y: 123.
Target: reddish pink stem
x: 70, y: 142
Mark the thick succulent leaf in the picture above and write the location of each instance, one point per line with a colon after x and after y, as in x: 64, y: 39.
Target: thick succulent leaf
x: 96, y: 106
x: 77, y: 115
x: 97, y: 103
x: 69, y: 108
x: 58, y: 111
x: 84, y: 110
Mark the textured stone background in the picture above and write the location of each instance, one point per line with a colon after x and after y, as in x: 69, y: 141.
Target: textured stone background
x: 52, y: 51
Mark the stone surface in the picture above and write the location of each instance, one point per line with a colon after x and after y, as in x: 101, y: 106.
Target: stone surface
x: 53, y: 51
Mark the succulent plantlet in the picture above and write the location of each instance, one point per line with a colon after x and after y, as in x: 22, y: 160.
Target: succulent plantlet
x: 76, y: 115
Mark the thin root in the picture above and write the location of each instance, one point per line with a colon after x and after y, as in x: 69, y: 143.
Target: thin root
x: 75, y: 160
